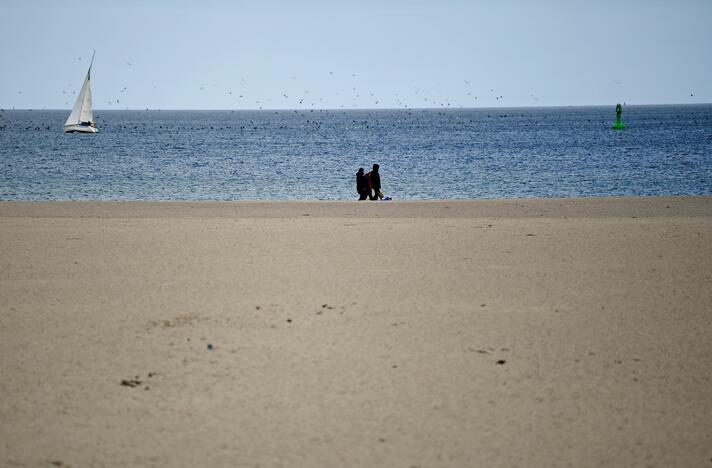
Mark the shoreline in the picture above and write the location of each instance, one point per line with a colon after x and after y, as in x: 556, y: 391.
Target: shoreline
x: 625, y: 206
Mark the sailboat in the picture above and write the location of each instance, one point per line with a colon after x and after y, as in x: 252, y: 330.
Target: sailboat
x: 81, y: 119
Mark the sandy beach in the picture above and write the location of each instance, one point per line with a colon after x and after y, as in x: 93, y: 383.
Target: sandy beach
x: 502, y: 333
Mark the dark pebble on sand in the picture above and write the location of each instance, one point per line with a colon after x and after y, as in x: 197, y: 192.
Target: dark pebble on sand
x: 289, y: 320
x: 501, y: 362
x: 130, y: 383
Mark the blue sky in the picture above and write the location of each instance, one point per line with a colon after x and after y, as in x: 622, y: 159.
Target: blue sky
x: 365, y: 54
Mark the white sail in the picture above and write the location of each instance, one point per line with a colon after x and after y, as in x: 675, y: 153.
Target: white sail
x: 82, y: 111
x: 81, y: 119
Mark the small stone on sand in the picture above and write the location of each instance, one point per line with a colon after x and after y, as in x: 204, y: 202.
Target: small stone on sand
x: 130, y: 383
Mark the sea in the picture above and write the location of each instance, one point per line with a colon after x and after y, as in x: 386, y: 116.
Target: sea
x: 424, y: 154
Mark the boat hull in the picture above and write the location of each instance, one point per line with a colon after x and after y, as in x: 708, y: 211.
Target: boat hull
x: 80, y: 129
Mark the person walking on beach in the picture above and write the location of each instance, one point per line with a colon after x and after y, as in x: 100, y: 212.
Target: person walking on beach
x: 374, y: 183
x: 362, y: 184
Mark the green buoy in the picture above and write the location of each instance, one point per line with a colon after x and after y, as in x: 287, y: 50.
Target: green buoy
x: 619, y: 124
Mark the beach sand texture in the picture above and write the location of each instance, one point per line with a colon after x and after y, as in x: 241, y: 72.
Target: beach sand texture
x: 532, y: 333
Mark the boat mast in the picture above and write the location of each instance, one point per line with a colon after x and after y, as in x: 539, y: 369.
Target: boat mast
x: 91, y: 63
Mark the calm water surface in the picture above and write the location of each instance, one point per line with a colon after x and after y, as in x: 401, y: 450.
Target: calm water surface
x: 424, y: 154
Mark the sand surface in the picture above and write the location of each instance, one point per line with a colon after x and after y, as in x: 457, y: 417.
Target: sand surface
x: 532, y: 333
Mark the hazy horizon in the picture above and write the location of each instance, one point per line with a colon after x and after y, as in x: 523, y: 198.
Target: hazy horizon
x: 334, y: 109
x: 330, y: 109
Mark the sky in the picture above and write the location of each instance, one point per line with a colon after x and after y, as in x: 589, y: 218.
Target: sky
x: 215, y: 54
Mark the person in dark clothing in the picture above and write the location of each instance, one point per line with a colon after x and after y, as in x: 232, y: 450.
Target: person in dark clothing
x: 374, y: 183
x: 362, y: 184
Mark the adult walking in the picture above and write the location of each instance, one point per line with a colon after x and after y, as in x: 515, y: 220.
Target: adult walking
x: 374, y: 183
x: 362, y: 184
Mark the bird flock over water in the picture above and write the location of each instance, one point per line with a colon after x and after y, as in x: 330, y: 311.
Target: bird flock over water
x: 353, y: 95
x: 349, y: 92
x: 346, y: 89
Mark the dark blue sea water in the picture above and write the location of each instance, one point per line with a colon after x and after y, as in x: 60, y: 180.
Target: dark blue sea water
x: 424, y: 154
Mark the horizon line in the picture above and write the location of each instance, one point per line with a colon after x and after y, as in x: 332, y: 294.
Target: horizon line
x: 311, y: 109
